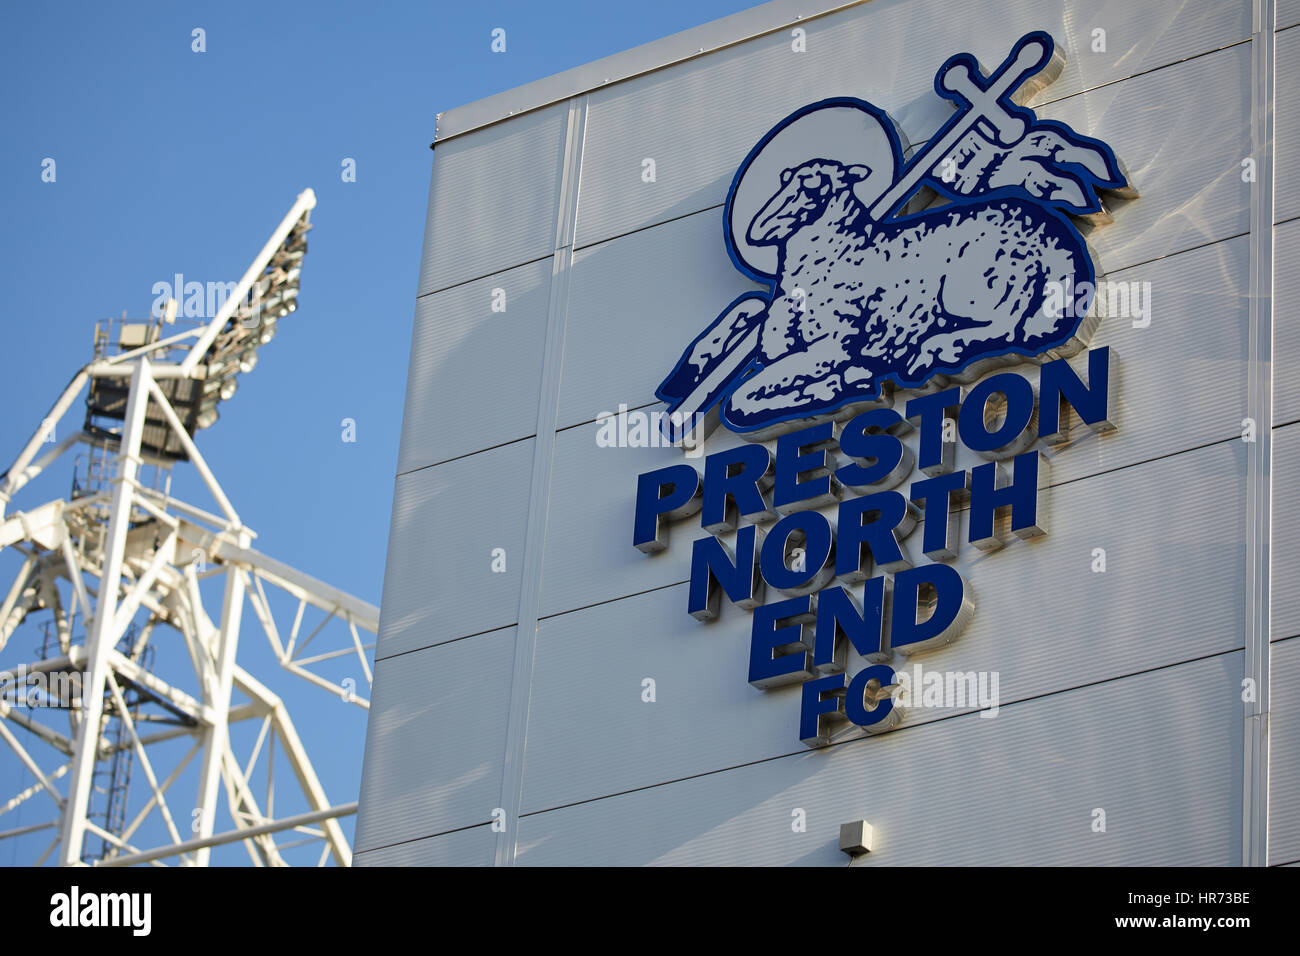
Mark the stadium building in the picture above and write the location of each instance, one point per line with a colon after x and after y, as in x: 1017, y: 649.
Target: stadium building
x: 857, y: 435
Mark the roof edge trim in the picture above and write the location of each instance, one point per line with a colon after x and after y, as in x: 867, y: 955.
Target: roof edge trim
x: 638, y: 61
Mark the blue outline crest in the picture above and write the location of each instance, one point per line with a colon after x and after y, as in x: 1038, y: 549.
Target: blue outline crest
x: 1060, y: 180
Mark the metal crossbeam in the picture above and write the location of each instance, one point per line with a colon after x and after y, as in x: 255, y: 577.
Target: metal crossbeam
x: 121, y: 569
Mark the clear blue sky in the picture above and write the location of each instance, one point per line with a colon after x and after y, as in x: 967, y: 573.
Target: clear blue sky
x: 173, y: 161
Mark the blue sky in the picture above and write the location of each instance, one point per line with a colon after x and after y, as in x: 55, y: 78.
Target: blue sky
x: 170, y: 161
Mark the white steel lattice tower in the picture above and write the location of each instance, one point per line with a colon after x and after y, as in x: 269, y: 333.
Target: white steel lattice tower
x: 120, y: 566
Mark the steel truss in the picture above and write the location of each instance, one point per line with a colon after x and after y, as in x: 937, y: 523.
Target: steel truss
x: 122, y: 565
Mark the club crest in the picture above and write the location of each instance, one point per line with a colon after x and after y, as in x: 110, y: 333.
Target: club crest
x: 880, y: 269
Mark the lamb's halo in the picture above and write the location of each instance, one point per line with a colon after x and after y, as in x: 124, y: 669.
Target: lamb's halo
x: 846, y: 130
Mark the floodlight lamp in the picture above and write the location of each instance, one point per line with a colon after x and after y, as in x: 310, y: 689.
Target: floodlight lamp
x: 219, y: 366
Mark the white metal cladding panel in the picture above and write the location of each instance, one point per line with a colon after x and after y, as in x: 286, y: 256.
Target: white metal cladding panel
x: 1284, y: 753
x: 1286, y: 125
x: 492, y: 198
x: 1286, y: 323
x: 1181, y: 131
x: 627, y: 323
x: 589, y: 525
x: 1197, y: 333
x: 634, y: 304
x: 475, y: 374
x: 1044, y: 620
x: 447, y: 519
x: 1287, y: 13
x: 637, y: 300
x: 436, y: 740
x: 475, y: 846
x: 698, y: 119
x: 1160, y: 752
x: 1285, y: 596
x: 1177, y: 154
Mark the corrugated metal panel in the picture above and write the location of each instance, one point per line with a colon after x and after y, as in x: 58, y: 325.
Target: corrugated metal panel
x: 475, y: 846
x: 1284, y: 754
x: 593, y: 497
x: 1286, y: 324
x: 1158, y: 751
x: 697, y: 119
x: 453, y: 405
x: 1164, y: 32
x: 620, y: 310
x: 1204, y: 289
x: 1152, y: 749
x: 492, y: 199
x: 447, y: 520
x: 436, y: 740
x: 1286, y: 126
x: 1287, y: 13
x: 1284, y: 620
x: 1196, y: 334
x: 1199, y: 320
x: 688, y: 44
x: 1144, y: 611
x: 1180, y: 130
x: 1139, y: 37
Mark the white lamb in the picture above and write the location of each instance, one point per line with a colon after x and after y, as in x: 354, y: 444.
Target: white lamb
x: 859, y: 301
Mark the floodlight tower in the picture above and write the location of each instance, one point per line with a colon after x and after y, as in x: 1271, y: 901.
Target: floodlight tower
x: 118, y: 565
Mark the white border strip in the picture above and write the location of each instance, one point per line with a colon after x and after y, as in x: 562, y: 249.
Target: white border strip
x: 512, y: 772
x: 1259, y: 461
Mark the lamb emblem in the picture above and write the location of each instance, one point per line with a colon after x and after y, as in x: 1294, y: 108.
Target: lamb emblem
x: 882, y: 270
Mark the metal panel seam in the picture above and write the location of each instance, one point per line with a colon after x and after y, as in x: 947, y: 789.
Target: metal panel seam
x: 512, y: 772
x: 1259, y: 481
x: 584, y: 75
x: 865, y: 739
